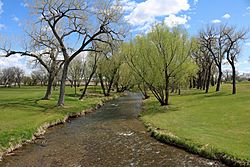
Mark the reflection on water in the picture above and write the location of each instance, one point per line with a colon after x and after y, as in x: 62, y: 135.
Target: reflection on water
x: 109, y: 137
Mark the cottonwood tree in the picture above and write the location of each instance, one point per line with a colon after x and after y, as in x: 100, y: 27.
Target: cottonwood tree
x: 12, y: 75
x: 159, y: 56
x: 39, y: 76
x: 204, y: 61
x: 76, y: 72
x: 233, y: 39
x: 92, y: 60
x: 18, y: 75
x: 213, y: 39
x: 76, y: 24
x: 44, y: 49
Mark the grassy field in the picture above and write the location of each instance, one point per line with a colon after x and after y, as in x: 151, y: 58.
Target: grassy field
x: 218, y: 120
x: 22, y: 111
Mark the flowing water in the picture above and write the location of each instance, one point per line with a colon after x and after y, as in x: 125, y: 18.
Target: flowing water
x: 112, y: 136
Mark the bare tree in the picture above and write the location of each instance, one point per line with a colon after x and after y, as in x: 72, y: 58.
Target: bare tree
x: 48, y: 58
x: 76, y: 71
x: 8, y: 76
x: 233, y: 40
x: 12, y: 75
x: 90, y: 69
x: 204, y: 61
x: 75, y: 24
x: 213, y: 39
x: 39, y: 75
x: 18, y: 75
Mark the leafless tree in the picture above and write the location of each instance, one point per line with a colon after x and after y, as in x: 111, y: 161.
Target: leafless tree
x: 233, y: 40
x: 76, y: 24
x: 39, y: 76
x: 12, y: 75
x: 90, y: 69
x: 76, y: 72
x: 213, y: 39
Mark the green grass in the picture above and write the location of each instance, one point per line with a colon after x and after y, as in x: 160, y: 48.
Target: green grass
x: 217, y: 119
x: 22, y: 112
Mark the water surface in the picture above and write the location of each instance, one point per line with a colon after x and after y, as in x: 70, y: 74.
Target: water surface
x: 110, y: 137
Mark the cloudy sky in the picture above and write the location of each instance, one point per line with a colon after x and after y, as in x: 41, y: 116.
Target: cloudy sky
x: 141, y: 14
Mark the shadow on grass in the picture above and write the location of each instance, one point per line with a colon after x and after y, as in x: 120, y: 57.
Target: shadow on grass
x: 28, y: 104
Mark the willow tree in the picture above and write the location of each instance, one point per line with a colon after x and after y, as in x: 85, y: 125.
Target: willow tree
x: 161, y: 57
x: 76, y: 24
x: 108, y: 67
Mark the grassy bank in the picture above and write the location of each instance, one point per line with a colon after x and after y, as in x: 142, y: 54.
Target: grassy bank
x: 22, y: 112
x: 215, y: 125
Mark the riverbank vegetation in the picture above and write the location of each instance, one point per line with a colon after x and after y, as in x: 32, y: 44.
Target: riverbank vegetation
x: 217, y: 122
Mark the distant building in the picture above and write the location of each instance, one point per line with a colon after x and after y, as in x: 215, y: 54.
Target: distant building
x: 245, y: 76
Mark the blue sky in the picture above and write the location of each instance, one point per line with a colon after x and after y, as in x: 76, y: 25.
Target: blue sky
x: 141, y: 14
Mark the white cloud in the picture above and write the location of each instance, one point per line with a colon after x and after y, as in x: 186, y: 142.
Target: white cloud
x: 173, y: 21
x: 247, y: 44
x: 14, y: 18
x: 128, y: 5
x: 196, y: 2
x: 226, y: 16
x: 216, y: 21
x: 146, y: 12
x: 17, y: 20
x: 1, y: 7
x: 17, y: 61
x: 2, y: 26
x: 248, y: 8
x: 24, y: 4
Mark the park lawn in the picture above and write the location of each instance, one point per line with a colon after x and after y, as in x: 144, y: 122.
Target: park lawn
x: 22, y: 112
x: 217, y: 119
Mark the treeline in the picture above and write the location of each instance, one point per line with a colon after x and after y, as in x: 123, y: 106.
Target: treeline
x: 163, y: 61
x: 167, y: 60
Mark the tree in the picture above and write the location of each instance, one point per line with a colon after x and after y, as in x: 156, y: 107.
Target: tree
x: 204, y: 61
x: 76, y: 24
x: 76, y: 71
x: 233, y: 39
x: 160, y: 57
x: 108, y: 67
x: 39, y: 75
x: 213, y: 39
x: 8, y: 76
x: 19, y: 74
x: 45, y: 53
x: 92, y: 60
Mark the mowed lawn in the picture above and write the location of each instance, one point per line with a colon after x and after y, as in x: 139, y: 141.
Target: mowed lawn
x: 219, y: 120
x: 22, y: 111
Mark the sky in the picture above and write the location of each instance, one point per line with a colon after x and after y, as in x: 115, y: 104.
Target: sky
x: 192, y: 15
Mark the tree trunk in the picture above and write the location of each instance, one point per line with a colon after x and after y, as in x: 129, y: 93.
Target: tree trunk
x: 212, y: 80
x: 194, y: 82
x: 62, y: 85
x: 190, y: 83
x: 75, y: 86
x: 208, y: 78
x: 102, y: 85
x: 166, y: 88
x: 144, y: 91
x: 48, y: 93
x: 234, y: 78
x: 111, y: 84
x: 86, y: 85
x: 219, y: 80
